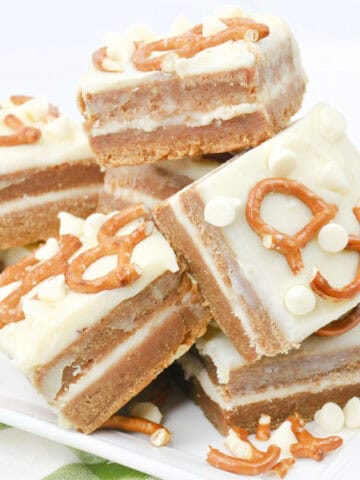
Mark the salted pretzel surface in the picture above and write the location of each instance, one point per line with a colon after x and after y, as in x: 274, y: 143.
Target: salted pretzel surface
x: 288, y: 245
x: 188, y: 44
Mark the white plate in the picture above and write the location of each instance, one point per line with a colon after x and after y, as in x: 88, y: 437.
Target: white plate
x: 22, y: 408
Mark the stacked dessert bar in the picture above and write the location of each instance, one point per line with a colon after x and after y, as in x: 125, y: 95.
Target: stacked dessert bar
x: 272, y: 238
x: 244, y: 264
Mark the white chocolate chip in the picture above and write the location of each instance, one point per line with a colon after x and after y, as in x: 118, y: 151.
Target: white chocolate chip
x: 146, y: 410
x: 330, y: 417
x: 36, y: 309
x: 59, y: 128
x: 70, y: 224
x: 281, y: 162
x: 352, y: 413
x: 119, y: 48
x: 333, y: 123
x: 333, y: 238
x: 238, y: 447
x: 221, y: 211
x: 264, y: 419
x: 284, y: 437
x: 212, y: 25
x: 92, y: 225
x: 48, y: 250
x: 112, y: 65
x: 180, y: 25
x: 228, y: 11
x: 160, y: 437
x: 267, y: 241
x: 300, y: 300
x: 140, y: 33
x: 332, y: 177
x: 53, y: 290
x: 36, y: 109
x: 168, y: 64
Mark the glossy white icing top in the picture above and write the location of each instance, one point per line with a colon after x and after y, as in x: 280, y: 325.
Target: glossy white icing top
x: 314, y: 142
x: 62, y: 140
x: 55, y: 315
x: 230, y: 55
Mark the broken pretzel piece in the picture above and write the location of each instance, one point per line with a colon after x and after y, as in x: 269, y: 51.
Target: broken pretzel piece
x: 31, y: 272
x: 23, y: 135
x: 110, y: 244
x: 252, y: 460
x: 309, y: 446
x: 263, y: 430
x: 341, y: 326
x: 159, y: 435
x: 193, y: 42
x: 281, y: 469
x: 259, y: 464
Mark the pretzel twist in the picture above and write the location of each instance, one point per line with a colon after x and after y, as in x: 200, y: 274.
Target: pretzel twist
x: 122, y: 246
x: 139, y: 425
x: 263, y: 429
x: 322, y: 287
x: 287, y: 245
x: 309, y: 446
x: 188, y: 44
x: 23, y: 135
x: 10, y: 306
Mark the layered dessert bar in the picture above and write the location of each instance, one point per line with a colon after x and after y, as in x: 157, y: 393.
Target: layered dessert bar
x: 227, y: 84
x: 272, y: 236
x: 94, y: 316
x: 234, y: 393
x: 46, y: 165
x: 149, y: 184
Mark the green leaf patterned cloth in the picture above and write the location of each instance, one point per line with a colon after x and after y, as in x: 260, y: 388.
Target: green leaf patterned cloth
x: 25, y: 456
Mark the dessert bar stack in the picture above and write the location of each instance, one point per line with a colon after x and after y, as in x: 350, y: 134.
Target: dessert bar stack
x: 226, y: 238
x: 272, y: 237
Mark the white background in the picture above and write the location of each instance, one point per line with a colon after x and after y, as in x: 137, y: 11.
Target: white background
x: 45, y: 46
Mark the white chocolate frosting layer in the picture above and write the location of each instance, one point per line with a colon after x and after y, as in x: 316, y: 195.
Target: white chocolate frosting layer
x: 62, y: 140
x: 231, y: 55
x: 313, y: 143
x: 55, y: 315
